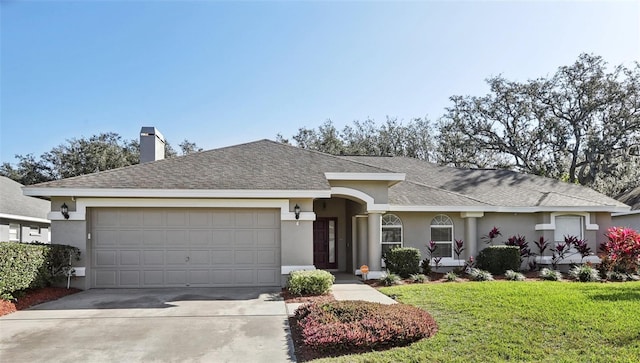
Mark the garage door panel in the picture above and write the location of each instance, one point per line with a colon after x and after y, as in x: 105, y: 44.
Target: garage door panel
x: 130, y: 237
x: 153, y: 278
x: 244, y: 238
x: 129, y: 258
x: 244, y: 257
x: 106, y: 258
x: 222, y: 257
x: 129, y: 278
x: 244, y: 277
x: 105, y: 278
x: 200, y: 257
x: 160, y: 247
x: 153, y: 257
x: 199, y: 238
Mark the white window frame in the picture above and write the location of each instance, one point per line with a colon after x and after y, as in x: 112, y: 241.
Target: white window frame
x: 35, y: 231
x: 18, y: 229
x: 391, y: 221
x: 443, y: 221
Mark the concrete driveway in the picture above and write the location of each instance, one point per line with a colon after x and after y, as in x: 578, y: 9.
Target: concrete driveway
x: 151, y: 325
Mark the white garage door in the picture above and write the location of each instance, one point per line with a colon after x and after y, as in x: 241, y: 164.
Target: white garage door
x: 158, y: 247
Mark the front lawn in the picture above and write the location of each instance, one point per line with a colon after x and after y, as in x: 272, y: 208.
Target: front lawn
x: 521, y: 321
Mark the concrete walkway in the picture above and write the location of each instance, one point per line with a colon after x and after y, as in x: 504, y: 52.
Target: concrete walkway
x: 350, y: 289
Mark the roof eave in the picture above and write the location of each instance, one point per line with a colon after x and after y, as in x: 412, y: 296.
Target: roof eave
x: 173, y: 193
x: 504, y: 209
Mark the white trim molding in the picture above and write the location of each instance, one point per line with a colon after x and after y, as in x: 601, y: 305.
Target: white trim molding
x: 625, y: 213
x: 172, y: 193
x: 372, y: 207
x: 552, y: 225
x: 471, y: 214
x: 24, y: 218
x: 391, y: 178
x: 287, y: 269
x: 499, y: 209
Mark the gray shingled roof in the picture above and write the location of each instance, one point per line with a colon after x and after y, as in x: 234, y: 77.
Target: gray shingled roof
x: 259, y: 165
x: 631, y: 198
x: 13, y: 202
x: 490, y: 187
x: 268, y: 165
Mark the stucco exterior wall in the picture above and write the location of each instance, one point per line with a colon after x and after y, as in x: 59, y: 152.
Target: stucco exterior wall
x: 74, y: 233
x: 25, y: 231
x: 379, y: 190
x: 629, y: 220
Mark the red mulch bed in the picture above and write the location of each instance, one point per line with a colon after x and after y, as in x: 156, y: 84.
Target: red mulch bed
x: 33, y: 297
x: 291, y: 298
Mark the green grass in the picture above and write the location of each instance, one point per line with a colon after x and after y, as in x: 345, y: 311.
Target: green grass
x: 521, y: 322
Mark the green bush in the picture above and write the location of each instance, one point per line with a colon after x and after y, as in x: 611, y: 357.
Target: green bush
x: 313, y: 282
x: 499, y: 259
x: 404, y: 261
x: 451, y: 276
x: 25, y: 265
x: 419, y: 278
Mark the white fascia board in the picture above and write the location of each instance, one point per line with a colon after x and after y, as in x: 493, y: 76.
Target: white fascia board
x: 625, y: 213
x: 24, y: 218
x: 498, y: 209
x: 174, y: 193
x: 392, y: 178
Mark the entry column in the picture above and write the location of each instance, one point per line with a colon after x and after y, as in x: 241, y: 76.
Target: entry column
x: 374, y: 238
x: 471, y: 232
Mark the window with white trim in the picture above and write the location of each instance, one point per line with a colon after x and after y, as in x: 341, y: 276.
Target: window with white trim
x: 14, y: 232
x: 34, y: 231
x: 442, y: 235
x: 568, y: 225
x: 391, y: 232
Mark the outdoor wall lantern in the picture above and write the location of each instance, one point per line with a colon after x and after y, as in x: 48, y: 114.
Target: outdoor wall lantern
x: 296, y: 210
x: 64, y: 210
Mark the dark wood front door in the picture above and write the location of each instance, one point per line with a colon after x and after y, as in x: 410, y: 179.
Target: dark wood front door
x: 325, y: 249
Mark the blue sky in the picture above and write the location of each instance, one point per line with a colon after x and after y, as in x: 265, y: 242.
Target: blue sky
x: 222, y: 73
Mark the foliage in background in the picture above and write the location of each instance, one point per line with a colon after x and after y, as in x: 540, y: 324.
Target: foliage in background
x: 404, y: 261
x: 81, y: 156
x: 311, y: 282
x: 24, y: 265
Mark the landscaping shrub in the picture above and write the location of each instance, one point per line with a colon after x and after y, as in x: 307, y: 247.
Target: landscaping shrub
x: 584, y: 273
x: 356, y: 326
x: 312, y: 282
x: 451, y: 276
x: 480, y: 275
x: 25, y: 265
x: 622, y: 250
x: 390, y: 279
x: 425, y: 265
x: 616, y: 276
x: 551, y: 275
x: 403, y: 261
x: 513, y: 276
x: 419, y: 278
x: 498, y: 259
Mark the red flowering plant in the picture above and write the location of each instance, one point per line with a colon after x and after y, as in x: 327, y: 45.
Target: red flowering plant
x: 493, y: 234
x: 621, y: 251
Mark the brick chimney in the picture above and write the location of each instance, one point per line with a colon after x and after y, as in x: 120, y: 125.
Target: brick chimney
x: 151, y: 144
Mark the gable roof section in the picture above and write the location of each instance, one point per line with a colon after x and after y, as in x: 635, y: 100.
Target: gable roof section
x: 259, y: 165
x: 500, y: 188
x: 15, y: 205
x: 631, y: 198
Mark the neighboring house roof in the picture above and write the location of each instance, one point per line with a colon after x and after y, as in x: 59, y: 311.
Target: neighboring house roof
x: 15, y: 205
x: 267, y: 165
x: 631, y: 198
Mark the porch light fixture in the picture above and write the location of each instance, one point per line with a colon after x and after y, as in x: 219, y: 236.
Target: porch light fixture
x: 296, y: 210
x: 64, y: 210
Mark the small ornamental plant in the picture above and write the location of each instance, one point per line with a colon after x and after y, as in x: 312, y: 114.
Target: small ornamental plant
x: 418, y: 278
x: 311, y: 282
x: 493, y: 234
x: 480, y: 275
x: 584, y: 273
x: 451, y: 276
x: 520, y: 242
x: 513, y: 276
x: 390, y: 279
x: 550, y: 275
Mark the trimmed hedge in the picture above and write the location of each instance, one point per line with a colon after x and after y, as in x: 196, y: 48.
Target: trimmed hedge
x: 311, y: 282
x: 356, y: 326
x: 499, y: 259
x: 404, y: 261
x: 32, y: 265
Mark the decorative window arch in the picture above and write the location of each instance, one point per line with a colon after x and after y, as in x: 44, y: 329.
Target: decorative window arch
x: 442, y: 234
x: 391, y: 232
